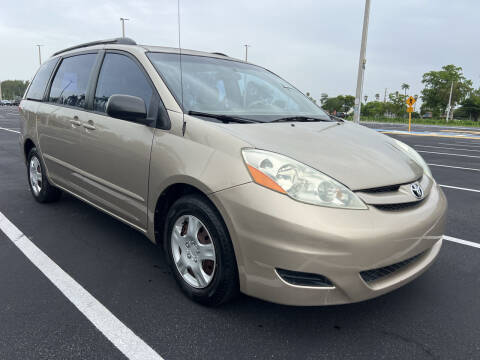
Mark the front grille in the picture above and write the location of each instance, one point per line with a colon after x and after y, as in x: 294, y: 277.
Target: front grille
x: 304, y: 279
x: 375, y: 274
x: 398, y: 207
x: 381, y: 189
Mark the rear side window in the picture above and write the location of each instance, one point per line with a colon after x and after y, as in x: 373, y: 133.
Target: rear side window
x: 39, y: 83
x: 121, y: 75
x: 69, y: 86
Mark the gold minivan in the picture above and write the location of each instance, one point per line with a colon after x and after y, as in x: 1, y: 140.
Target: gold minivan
x: 246, y: 183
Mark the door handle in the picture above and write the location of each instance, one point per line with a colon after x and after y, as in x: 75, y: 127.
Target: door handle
x: 89, y: 125
x: 75, y: 121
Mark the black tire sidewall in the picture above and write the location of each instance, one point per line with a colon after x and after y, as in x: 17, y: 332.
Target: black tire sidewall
x: 47, y: 192
x: 220, y: 289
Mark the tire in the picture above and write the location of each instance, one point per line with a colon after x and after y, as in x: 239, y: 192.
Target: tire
x: 219, y: 286
x: 40, y: 188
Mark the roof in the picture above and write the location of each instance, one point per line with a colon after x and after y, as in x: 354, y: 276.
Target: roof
x: 131, y: 42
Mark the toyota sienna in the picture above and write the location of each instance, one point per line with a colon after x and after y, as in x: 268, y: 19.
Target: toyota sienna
x: 244, y: 182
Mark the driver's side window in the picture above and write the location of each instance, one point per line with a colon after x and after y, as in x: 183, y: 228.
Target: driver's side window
x: 121, y: 75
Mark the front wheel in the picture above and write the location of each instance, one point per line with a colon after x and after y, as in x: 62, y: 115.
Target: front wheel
x: 200, y: 251
x: 40, y: 188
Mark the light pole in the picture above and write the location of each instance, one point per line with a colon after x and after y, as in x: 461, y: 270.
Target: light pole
x: 246, y: 51
x: 123, y: 25
x: 39, y: 54
x: 449, y: 102
x: 361, y: 64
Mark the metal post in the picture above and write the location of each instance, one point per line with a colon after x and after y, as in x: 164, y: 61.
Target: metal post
x: 123, y: 25
x: 39, y: 55
x: 361, y: 64
x: 409, y: 121
x: 449, y: 102
x: 1, y: 91
x: 246, y: 51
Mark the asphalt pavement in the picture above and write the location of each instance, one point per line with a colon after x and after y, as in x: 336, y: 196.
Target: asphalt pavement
x: 436, y: 316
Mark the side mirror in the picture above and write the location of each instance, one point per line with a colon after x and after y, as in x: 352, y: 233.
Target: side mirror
x: 126, y: 107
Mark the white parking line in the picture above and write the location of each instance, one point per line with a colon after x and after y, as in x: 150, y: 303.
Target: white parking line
x: 114, y: 330
x: 459, y: 144
x: 447, y: 148
x: 459, y: 188
x: 14, y: 131
x: 460, y: 241
x: 454, y: 167
x: 441, y: 153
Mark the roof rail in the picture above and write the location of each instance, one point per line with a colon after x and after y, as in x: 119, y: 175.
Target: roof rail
x: 122, y: 41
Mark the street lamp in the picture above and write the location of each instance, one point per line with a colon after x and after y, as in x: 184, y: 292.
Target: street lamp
x: 123, y: 25
x: 246, y: 51
x: 361, y: 64
x: 39, y: 54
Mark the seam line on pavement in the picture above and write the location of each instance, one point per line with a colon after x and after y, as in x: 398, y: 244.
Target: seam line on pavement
x: 454, y: 167
x: 459, y: 188
x: 14, y: 131
x: 461, y: 241
x: 446, y: 148
x: 459, y: 144
x: 108, y: 324
x: 442, y: 153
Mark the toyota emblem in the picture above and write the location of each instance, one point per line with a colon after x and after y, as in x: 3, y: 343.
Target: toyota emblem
x: 417, y: 190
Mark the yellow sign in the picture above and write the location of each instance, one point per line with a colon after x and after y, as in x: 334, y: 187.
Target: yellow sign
x: 410, y: 101
x: 410, y: 109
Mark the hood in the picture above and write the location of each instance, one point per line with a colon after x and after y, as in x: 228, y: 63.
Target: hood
x: 354, y: 155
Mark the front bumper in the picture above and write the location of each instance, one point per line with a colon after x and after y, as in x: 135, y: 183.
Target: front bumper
x: 271, y: 231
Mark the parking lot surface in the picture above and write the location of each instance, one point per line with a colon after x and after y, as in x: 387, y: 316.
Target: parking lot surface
x: 436, y: 316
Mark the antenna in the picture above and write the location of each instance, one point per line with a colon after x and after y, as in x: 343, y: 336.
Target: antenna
x: 184, y: 124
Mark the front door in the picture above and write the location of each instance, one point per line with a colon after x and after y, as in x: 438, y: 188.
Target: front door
x: 116, y: 153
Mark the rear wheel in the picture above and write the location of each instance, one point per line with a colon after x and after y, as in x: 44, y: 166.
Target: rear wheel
x: 200, y: 251
x: 40, y: 188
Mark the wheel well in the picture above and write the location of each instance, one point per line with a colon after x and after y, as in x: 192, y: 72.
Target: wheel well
x: 165, y: 200
x: 27, y: 147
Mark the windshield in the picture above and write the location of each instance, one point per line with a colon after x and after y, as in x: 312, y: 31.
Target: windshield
x: 228, y: 87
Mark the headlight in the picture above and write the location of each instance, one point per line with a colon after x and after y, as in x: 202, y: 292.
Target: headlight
x: 412, y: 154
x: 297, y: 180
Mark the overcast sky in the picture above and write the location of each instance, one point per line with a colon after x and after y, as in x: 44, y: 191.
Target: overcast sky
x: 313, y: 44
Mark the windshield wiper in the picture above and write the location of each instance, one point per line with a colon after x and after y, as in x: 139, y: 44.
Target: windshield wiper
x: 301, y: 119
x: 222, y: 117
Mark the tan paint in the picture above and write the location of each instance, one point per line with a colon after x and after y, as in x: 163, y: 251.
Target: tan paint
x: 123, y: 167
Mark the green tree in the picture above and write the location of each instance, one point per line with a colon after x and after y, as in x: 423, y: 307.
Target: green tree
x: 405, y: 87
x: 13, y: 89
x: 437, y: 88
x: 323, y: 98
x: 373, y: 109
x: 396, y: 104
x: 340, y: 103
x: 471, y: 105
x: 310, y: 97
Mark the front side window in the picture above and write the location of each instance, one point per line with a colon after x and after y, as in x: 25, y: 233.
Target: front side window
x: 69, y: 86
x: 121, y: 75
x: 229, y: 87
x: 39, y: 82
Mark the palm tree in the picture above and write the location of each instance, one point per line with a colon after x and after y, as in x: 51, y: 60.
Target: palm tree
x: 323, y: 98
x: 377, y: 97
x: 405, y: 87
